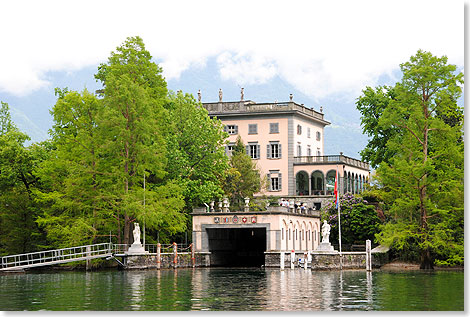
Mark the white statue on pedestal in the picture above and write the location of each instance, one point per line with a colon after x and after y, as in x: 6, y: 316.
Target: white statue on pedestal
x: 136, y: 233
x: 136, y: 247
x: 325, y: 232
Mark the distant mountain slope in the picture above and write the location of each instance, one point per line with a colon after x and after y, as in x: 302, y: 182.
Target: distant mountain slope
x: 31, y: 113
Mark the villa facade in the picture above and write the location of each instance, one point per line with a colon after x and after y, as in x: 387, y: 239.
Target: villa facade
x: 287, y: 141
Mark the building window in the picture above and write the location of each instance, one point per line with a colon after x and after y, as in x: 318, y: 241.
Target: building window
x: 231, y: 129
x: 229, y: 149
x: 253, y: 149
x: 318, y: 152
x: 253, y: 128
x: 274, y: 150
x: 274, y: 128
x: 299, y: 150
x: 274, y: 181
x: 309, y: 151
x: 318, y: 135
x: 299, y: 129
x: 308, y: 132
x: 282, y: 237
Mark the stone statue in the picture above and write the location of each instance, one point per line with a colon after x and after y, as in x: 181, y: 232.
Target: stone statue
x: 291, y: 96
x: 242, y: 94
x: 199, y: 95
x: 136, y: 233
x: 325, y: 232
x: 220, y: 94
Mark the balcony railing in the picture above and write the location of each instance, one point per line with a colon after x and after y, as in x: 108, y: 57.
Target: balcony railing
x: 331, y: 159
x: 241, y: 106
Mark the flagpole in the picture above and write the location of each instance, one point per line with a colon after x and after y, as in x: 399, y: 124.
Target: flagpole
x: 339, y: 221
x: 144, y: 209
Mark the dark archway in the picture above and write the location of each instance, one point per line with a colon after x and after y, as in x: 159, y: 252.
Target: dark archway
x: 237, y: 246
x: 318, y: 181
x: 330, y: 182
x: 301, y: 183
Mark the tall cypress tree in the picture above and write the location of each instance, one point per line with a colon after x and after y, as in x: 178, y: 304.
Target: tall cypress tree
x: 423, y: 182
x: 132, y: 126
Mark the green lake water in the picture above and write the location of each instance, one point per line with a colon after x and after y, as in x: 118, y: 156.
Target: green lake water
x: 233, y: 289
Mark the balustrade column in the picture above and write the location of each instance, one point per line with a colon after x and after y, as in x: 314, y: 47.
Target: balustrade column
x: 309, y: 185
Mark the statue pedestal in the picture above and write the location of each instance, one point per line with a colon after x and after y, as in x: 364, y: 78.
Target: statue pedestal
x: 136, y: 248
x: 325, y: 247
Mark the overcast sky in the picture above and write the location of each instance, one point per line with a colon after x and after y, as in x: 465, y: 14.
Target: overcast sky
x: 323, y: 48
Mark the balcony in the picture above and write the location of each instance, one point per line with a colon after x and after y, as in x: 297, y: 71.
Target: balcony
x: 330, y: 159
x: 217, y: 108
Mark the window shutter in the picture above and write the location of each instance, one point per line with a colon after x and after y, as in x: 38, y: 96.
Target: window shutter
x: 269, y: 183
x: 236, y: 129
x: 225, y: 128
x: 280, y: 151
x: 268, y: 151
x: 247, y: 150
x: 279, y: 177
x: 257, y: 151
x: 226, y: 150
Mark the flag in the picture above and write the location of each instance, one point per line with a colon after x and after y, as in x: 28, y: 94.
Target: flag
x: 336, y: 190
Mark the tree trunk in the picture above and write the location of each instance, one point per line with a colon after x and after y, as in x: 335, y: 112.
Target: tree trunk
x: 426, y: 260
x: 126, y: 228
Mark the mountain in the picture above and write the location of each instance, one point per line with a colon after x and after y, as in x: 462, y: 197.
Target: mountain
x: 31, y: 112
x: 344, y: 134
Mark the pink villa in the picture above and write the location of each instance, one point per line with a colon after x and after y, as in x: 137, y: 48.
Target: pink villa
x: 287, y: 141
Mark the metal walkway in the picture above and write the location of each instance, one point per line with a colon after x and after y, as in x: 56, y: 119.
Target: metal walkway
x: 19, y: 262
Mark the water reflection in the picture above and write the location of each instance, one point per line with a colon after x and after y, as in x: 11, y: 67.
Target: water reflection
x: 233, y: 289
x: 135, y: 281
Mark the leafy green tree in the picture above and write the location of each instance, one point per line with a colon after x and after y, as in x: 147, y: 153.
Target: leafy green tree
x: 422, y: 184
x: 243, y: 179
x: 133, y: 130
x: 195, y: 144
x: 74, y: 201
x: 371, y: 105
x: 19, y: 232
x: 359, y: 221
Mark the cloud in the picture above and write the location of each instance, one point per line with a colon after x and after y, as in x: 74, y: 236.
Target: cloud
x: 246, y: 69
x: 323, y: 48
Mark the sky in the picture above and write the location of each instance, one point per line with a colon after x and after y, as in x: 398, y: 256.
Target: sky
x: 325, y: 52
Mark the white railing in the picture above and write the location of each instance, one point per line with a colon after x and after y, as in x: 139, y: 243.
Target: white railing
x: 50, y: 257
x: 151, y: 248
x: 328, y: 159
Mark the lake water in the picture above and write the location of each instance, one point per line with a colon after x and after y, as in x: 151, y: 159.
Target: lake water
x: 233, y: 289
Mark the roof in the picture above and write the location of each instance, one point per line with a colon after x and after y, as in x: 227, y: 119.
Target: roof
x: 248, y: 107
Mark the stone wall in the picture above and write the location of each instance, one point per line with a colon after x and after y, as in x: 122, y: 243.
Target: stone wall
x: 325, y: 261
x: 351, y: 260
x: 149, y: 261
x: 320, y: 261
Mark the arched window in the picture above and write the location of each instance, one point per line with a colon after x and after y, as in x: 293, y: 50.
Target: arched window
x: 301, y: 183
x: 330, y: 182
x: 356, y: 184
x: 349, y: 182
x: 317, y: 183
